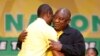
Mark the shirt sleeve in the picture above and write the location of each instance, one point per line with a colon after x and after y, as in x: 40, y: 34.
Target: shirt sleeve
x: 54, y: 35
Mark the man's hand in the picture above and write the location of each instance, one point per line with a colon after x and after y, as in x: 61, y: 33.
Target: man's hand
x: 22, y: 36
x: 55, y: 45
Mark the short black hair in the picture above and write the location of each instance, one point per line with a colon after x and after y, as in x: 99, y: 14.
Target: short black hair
x: 43, y: 9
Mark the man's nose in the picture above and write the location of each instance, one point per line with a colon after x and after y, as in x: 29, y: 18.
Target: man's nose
x: 57, y: 20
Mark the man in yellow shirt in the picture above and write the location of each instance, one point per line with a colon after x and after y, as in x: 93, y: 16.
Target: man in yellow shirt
x: 36, y: 42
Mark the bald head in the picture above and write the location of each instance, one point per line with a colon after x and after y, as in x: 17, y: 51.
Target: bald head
x: 64, y: 12
x: 61, y: 19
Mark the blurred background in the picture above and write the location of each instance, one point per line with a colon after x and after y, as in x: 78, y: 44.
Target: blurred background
x: 16, y: 15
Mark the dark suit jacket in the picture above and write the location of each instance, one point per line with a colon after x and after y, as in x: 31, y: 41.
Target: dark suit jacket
x: 73, y: 42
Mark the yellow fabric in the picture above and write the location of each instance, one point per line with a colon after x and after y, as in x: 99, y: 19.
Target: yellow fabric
x: 36, y: 42
x: 49, y: 53
x: 59, y: 33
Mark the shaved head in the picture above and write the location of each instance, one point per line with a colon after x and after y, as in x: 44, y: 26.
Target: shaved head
x: 45, y: 12
x: 64, y: 12
x: 44, y: 9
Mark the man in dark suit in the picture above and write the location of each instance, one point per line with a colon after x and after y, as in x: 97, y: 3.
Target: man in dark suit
x: 71, y: 40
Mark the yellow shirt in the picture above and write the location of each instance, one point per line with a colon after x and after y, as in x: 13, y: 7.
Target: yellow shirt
x: 59, y: 33
x: 36, y: 42
x: 49, y: 52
